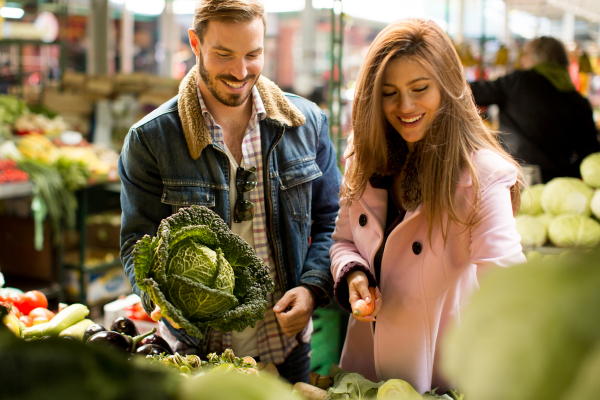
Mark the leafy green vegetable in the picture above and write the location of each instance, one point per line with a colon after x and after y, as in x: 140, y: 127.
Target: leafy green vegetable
x: 530, y: 200
x: 75, y: 173
x: 397, y: 389
x: 533, y: 230
x: 201, y: 274
x: 586, y: 384
x: 575, y: 231
x: 451, y: 394
x: 50, y: 187
x: 566, y: 196
x: 590, y: 170
x: 530, y: 332
x: 11, y: 108
x: 350, y: 385
x: 226, y: 386
x: 595, y: 204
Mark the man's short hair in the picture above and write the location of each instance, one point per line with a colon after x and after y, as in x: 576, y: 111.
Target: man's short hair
x: 547, y: 49
x: 226, y: 11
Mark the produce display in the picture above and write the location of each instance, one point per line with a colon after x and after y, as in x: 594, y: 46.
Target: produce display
x: 201, y: 274
x: 353, y: 386
x: 10, y: 172
x: 11, y: 108
x: 39, y: 123
x: 531, y: 332
x: 590, y: 170
x: 564, y: 211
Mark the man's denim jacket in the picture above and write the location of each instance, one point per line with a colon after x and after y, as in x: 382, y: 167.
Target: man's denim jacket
x: 170, y: 161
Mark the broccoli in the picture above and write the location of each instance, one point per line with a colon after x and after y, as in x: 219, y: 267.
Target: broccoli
x: 201, y: 274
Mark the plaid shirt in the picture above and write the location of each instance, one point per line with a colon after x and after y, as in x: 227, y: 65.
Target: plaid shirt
x: 273, y: 345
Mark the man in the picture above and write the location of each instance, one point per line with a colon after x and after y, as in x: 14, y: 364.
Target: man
x: 548, y: 123
x: 227, y: 120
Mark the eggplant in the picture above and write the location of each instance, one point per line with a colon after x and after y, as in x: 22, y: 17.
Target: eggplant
x: 91, y: 330
x: 151, y: 349
x: 112, y: 339
x: 125, y: 326
x: 157, y: 340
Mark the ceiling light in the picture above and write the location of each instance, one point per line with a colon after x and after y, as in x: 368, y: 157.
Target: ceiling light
x: 11, y: 12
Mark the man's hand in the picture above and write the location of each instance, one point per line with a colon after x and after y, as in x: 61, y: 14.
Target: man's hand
x: 294, y: 309
x: 156, y: 315
x: 358, y: 287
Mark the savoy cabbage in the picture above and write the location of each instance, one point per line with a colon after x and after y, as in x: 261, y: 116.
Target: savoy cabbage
x: 201, y: 274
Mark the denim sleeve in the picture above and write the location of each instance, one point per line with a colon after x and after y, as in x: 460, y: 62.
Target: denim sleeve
x: 141, y: 190
x: 325, y: 190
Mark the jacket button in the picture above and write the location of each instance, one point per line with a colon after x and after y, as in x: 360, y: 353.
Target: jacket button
x: 362, y: 220
x: 417, y: 248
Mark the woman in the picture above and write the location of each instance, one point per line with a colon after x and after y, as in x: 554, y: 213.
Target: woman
x: 426, y: 205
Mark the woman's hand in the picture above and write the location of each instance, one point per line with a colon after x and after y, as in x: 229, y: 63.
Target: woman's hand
x: 358, y: 287
x: 156, y: 315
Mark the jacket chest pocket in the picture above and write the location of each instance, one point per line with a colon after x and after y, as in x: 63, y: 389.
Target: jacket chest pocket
x: 295, y: 183
x: 186, y: 196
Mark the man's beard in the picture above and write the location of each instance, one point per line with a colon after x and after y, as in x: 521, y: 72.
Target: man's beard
x: 228, y: 99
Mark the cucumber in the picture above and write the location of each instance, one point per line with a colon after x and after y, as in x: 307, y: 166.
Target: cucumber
x: 61, y: 321
x: 76, y: 331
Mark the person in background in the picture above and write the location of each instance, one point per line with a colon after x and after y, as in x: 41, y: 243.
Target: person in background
x: 546, y: 121
x: 427, y: 205
x: 229, y: 124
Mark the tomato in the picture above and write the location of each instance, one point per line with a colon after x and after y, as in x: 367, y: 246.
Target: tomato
x: 16, y: 299
x: 33, y: 299
x: 41, y: 312
x: 26, y: 320
x: 11, y: 308
x: 136, y: 311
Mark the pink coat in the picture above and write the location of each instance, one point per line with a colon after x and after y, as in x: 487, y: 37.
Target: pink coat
x: 422, y: 292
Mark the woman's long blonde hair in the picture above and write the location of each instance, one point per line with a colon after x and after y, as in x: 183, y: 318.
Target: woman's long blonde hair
x: 456, y: 132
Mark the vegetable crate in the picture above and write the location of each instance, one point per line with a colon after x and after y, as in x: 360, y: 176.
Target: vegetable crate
x: 100, y: 286
x: 329, y: 330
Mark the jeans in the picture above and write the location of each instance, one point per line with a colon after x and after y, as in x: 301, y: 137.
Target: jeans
x: 296, y: 366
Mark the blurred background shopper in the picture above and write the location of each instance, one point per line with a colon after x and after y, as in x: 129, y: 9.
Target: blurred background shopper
x: 546, y: 121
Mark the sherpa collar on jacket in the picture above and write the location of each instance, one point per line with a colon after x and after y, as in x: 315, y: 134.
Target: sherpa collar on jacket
x: 197, y: 136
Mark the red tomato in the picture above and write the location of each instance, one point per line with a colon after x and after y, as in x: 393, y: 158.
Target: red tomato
x: 11, y: 308
x: 33, y: 299
x: 16, y: 299
x: 27, y: 320
x: 41, y: 312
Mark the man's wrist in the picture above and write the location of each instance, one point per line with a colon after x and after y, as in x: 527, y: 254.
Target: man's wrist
x: 315, y: 292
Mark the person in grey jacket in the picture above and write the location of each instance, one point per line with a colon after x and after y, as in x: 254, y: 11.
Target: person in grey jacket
x: 228, y: 120
x: 545, y: 120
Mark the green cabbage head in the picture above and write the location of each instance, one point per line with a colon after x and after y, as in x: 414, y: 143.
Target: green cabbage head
x: 530, y: 200
x: 201, y: 274
x: 533, y: 230
x: 566, y: 196
x: 590, y: 170
x: 595, y: 204
x: 574, y: 231
x: 397, y: 389
x: 531, y: 332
